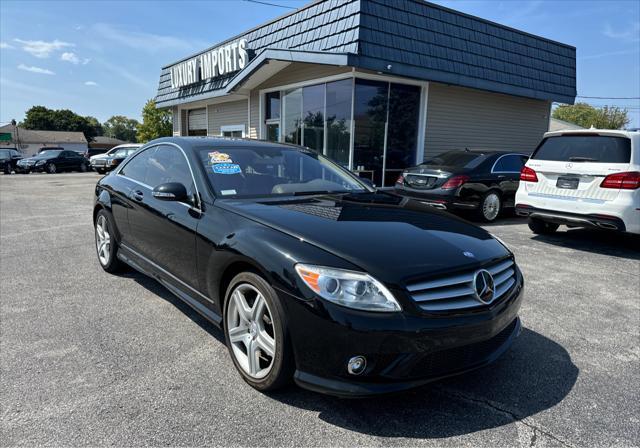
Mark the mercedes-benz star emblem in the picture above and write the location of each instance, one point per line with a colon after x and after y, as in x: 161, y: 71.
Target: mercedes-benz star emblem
x: 483, y: 286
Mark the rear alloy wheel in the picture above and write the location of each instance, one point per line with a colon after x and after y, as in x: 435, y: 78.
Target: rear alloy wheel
x: 83, y: 168
x: 255, y: 334
x: 106, y: 246
x: 490, y: 206
x: 52, y: 168
x: 540, y: 227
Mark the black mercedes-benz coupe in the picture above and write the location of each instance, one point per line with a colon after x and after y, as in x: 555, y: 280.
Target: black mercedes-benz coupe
x: 482, y: 181
x: 311, y: 274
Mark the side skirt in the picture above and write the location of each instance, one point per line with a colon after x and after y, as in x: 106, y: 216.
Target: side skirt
x: 150, y: 269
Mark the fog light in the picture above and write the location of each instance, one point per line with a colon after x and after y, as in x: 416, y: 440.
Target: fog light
x: 356, y: 365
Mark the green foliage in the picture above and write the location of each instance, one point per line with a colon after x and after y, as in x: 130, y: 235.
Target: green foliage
x: 42, y: 118
x: 586, y: 116
x: 121, y: 127
x: 93, y: 121
x: 156, y: 123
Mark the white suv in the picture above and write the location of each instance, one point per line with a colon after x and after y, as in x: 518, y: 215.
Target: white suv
x: 584, y: 178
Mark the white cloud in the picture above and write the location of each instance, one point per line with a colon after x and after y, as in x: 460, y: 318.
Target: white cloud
x: 85, y: 61
x: 630, y: 34
x: 42, y: 49
x: 33, y: 69
x: 609, y: 54
x: 142, y: 41
x: 120, y: 70
x: 70, y: 57
x: 90, y: 83
x: 5, y: 46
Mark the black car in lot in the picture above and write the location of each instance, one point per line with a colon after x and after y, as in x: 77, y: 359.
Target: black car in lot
x: 53, y: 161
x: 484, y: 182
x: 111, y: 160
x: 8, y: 159
x: 311, y: 274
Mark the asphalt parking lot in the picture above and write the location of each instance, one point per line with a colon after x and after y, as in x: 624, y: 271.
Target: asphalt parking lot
x: 92, y: 359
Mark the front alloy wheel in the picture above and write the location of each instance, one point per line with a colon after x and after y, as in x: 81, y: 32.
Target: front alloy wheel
x: 255, y: 333
x: 106, y: 246
x: 52, y: 168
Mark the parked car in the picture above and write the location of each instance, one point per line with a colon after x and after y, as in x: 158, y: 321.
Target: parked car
x: 50, y: 148
x: 584, y: 178
x: 8, y: 159
x: 110, y: 160
x: 481, y: 181
x: 53, y: 161
x: 312, y: 274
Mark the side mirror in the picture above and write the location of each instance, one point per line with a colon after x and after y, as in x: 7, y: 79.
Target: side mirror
x: 171, y: 191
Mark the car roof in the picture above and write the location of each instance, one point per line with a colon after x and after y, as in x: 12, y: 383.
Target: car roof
x: 593, y: 131
x: 226, y: 142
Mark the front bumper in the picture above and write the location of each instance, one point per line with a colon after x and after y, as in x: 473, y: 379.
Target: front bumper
x: 403, y: 350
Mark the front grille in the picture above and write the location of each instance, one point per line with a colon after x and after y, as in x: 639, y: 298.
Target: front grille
x: 415, y: 181
x: 99, y: 162
x: 456, y: 292
x: 460, y: 358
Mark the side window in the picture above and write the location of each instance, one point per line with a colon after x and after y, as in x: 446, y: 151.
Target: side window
x: 168, y: 164
x: 137, y: 167
x: 511, y: 163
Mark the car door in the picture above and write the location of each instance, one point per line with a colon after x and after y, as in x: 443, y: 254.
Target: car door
x: 163, y: 232
x: 506, y: 170
x: 64, y: 161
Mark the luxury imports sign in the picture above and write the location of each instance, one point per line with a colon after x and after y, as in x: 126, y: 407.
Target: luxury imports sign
x: 217, y: 62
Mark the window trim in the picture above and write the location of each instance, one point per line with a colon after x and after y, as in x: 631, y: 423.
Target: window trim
x: 197, y: 206
x: 233, y: 128
x: 505, y: 155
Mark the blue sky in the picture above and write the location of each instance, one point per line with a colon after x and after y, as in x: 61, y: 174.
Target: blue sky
x: 104, y: 58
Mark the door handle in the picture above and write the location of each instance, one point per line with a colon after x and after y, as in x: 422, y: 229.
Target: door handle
x: 137, y: 195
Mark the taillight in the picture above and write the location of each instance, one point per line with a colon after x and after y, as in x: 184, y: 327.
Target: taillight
x: 455, y: 182
x: 400, y: 179
x: 528, y: 175
x: 623, y: 181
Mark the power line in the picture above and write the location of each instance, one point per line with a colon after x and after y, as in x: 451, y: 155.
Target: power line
x: 270, y: 4
x: 610, y: 97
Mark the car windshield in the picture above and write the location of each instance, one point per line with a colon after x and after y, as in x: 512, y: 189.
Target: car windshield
x: 585, y: 148
x: 122, y: 152
x: 50, y: 153
x: 5, y: 154
x: 455, y: 159
x: 274, y: 171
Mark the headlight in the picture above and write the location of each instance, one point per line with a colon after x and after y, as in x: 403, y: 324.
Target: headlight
x: 348, y: 288
x: 40, y: 162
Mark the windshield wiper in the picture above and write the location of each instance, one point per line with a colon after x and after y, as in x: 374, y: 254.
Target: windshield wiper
x: 582, y: 159
x: 308, y: 193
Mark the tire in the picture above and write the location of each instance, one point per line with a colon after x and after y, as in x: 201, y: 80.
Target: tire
x: 51, y: 168
x: 540, y: 227
x: 490, y: 206
x: 83, y: 168
x: 106, y: 245
x: 7, y: 169
x: 100, y: 171
x: 254, y: 333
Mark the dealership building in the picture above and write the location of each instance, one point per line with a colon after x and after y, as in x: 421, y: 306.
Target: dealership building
x: 377, y: 85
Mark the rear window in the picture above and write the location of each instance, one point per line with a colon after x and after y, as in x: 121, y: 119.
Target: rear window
x: 585, y: 148
x: 456, y: 159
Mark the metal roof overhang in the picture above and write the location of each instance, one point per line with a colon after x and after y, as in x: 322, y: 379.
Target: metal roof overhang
x: 262, y: 67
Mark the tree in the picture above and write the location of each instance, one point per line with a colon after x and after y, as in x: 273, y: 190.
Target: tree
x: 156, y: 123
x: 121, y: 127
x: 44, y: 119
x: 585, y: 115
x: 93, y: 121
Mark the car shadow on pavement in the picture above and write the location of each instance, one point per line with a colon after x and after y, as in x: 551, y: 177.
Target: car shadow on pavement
x: 535, y: 375
x: 616, y: 244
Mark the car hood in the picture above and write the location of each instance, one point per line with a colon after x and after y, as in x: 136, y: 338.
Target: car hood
x: 98, y: 157
x: 396, y: 239
x: 35, y: 158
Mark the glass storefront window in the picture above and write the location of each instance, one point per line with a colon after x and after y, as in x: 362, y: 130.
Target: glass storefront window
x: 273, y: 132
x: 313, y: 117
x: 338, y: 106
x: 272, y: 103
x: 370, y: 117
x: 402, y: 130
x: 292, y: 120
